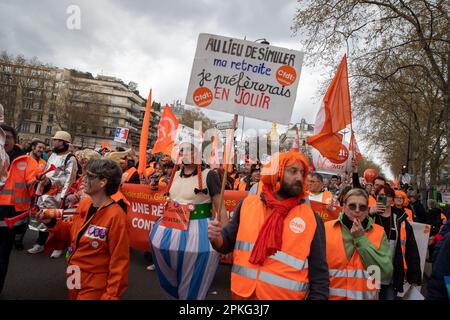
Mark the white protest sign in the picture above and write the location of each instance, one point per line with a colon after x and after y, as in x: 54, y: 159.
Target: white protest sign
x: 421, y: 234
x: 245, y: 78
x: 121, y: 135
x: 188, y: 135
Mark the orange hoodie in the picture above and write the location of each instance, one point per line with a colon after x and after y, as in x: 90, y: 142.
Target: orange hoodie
x: 102, y: 252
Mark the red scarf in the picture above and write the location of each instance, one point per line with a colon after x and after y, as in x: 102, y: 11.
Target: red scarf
x: 271, y: 234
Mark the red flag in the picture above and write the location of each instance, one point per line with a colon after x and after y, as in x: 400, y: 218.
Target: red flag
x: 167, y: 130
x: 333, y: 116
x: 144, y: 136
x: 296, y: 144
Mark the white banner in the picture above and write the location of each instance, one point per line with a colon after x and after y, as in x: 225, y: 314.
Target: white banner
x: 244, y: 77
x: 121, y: 135
x: 422, y: 234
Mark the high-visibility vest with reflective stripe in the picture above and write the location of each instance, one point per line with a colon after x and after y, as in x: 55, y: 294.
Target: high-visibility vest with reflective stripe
x: 126, y: 176
x: 349, y: 280
x: 283, y: 275
x: 18, y: 189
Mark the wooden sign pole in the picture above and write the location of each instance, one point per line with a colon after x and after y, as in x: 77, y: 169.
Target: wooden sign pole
x: 225, y: 174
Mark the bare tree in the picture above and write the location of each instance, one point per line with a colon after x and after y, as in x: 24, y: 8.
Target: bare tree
x: 399, y: 61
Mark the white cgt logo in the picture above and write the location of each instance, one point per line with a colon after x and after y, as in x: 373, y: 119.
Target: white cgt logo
x: 297, y: 225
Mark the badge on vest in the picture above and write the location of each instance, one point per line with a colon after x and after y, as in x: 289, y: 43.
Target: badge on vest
x: 297, y: 225
x: 96, y: 232
x: 22, y: 165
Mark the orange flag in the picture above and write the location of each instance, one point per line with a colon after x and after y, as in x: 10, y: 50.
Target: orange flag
x: 144, y: 137
x: 228, y: 152
x: 167, y: 130
x: 105, y: 144
x: 333, y: 116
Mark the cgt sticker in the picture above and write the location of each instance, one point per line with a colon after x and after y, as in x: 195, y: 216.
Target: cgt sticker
x: 96, y: 232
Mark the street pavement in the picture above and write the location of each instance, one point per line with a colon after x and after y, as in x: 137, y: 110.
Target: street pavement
x: 38, y: 277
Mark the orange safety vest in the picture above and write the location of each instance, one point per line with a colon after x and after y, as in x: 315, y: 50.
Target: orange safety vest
x: 126, y: 176
x: 237, y: 181
x: 284, y: 275
x: 18, y: 190
x: 349, y: 279
x: 119, y: 196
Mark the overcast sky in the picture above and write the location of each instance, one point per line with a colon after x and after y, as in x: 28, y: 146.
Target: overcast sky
x: 152, y: 42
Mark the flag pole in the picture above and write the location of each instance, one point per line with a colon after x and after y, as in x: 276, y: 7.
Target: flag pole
x: 225, y: 174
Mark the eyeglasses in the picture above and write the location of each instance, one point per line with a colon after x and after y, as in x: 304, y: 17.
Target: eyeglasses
x: 361, y: 207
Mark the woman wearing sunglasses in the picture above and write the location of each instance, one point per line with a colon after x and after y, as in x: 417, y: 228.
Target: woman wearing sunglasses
x: 404, y: 253
x: 98, y: 255
x: 356, y: 247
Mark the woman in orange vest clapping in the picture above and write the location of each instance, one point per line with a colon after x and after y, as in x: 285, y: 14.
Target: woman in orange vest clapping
x: 356, y: 246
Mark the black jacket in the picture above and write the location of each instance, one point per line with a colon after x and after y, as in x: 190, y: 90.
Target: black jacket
x: 412, y: 257
x: 419, y: 212
x: 441, y: 268
x: 15, y: 153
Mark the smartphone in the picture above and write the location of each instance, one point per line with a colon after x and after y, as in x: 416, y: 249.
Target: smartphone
x: 382, y: 200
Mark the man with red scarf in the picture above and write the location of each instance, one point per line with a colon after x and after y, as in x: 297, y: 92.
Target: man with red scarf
x: 278, y: 242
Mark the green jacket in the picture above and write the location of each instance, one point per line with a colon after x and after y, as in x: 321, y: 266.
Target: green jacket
x: 369, y: 254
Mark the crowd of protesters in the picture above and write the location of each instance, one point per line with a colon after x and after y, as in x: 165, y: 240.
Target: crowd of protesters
x: 315, y: 261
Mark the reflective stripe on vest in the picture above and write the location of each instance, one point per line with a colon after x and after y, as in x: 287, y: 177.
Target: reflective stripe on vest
x: 279, y: 256
x: 360, y: 274
x: 244, y: 272
x: 7, y: 191
x: 357, y: 295
x: 22, y: 200
x: 283, y: 282
x: 270, y: 279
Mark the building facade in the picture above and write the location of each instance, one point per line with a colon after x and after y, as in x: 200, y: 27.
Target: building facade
x: 40, y: 100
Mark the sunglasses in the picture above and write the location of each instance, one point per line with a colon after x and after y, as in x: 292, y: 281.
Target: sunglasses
x: 361, y: 207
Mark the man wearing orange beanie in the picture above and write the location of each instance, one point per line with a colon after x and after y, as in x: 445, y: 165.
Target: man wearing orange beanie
x: 278, y: 242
